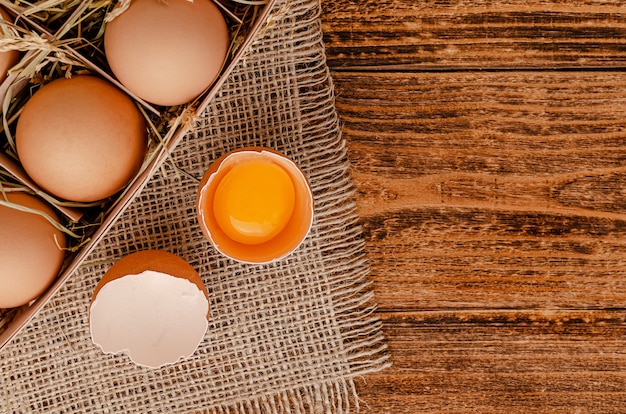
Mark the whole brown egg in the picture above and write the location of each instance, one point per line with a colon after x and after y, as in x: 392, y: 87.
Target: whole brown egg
x: 167, y: 53
x: 81, y: 139
x: 31, y: 250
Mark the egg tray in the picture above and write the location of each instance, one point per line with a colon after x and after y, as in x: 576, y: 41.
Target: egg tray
x: 65, y: 39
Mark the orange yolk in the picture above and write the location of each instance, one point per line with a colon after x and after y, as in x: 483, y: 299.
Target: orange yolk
x: 254, y: 201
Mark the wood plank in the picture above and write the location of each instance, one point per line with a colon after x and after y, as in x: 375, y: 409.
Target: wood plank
x: 493, y: 202
x: 487, y: 190
x: 501, y: 362
x: 469, y: 34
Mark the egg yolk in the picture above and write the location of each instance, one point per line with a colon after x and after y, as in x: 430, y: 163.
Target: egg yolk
x: 254, y: 201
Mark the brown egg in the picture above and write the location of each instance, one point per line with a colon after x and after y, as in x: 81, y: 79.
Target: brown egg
x: 255, y: 205
x: 151, y: 305
x: 81, y: 139
x: 167, y: 53
x: 9, y: 58
x: 31, y: 252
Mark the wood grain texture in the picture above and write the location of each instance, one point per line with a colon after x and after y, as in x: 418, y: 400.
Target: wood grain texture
x: 475, y: 34
x: 510, y: 195
x: 493, y: 208
x: 493, y: 201
x: 501, y: 362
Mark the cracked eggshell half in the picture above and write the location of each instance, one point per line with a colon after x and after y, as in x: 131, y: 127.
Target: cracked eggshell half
x: 151, y: 305
x: 255, y: 205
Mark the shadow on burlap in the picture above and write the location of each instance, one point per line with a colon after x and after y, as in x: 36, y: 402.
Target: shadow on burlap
x: 289, y: 337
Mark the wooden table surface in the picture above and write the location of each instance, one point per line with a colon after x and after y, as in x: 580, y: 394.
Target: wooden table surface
x: 488, y: 142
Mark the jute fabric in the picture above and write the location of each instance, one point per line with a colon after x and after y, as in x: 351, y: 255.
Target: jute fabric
x: 288, y: 337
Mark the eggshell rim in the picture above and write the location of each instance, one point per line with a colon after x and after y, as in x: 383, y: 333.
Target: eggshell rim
x: 155, y: 260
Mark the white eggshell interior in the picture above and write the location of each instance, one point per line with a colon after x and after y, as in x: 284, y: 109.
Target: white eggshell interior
x: 155, y: 318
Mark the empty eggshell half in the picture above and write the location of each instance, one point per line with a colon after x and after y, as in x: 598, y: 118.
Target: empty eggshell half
x: 151, y: 305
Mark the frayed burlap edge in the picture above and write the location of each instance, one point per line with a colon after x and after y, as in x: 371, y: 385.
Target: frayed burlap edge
x: 338, y: 396
x: 352, y: 293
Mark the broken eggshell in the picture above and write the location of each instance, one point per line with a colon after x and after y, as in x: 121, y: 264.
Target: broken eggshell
x: 151, y: 305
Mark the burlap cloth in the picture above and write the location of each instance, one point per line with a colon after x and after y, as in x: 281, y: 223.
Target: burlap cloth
x: 290, y: 337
